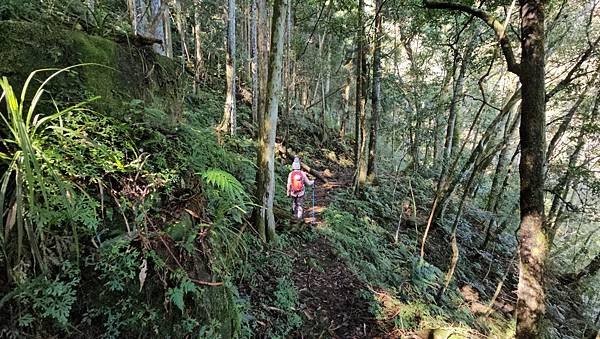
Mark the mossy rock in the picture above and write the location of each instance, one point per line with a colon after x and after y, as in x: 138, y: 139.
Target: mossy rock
x: 128, y: 72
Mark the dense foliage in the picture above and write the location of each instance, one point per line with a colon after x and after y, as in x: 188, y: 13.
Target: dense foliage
x: 124, y: 212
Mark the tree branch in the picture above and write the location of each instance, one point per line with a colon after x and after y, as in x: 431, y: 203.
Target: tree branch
x: 572, y: 73
x: 491, y: 21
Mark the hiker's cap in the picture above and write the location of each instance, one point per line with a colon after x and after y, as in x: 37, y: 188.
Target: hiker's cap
x: 296, y: 164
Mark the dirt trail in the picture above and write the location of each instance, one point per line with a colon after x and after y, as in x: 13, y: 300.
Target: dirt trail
x: 331, y: 304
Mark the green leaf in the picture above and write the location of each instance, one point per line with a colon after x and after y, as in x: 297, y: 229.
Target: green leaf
x: 176, y: 295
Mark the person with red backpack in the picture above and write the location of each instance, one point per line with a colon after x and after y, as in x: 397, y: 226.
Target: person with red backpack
x: 295, y: 188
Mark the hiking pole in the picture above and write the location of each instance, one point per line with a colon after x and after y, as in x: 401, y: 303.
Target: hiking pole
x: 313, y: 201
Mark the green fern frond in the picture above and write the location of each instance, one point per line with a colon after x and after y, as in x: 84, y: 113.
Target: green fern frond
x: 225, y: 182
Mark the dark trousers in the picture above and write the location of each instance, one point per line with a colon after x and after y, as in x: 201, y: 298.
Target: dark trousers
x: 297, y: 206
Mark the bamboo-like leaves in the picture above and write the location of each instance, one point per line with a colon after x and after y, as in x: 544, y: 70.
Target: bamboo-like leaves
x: 24, y: 185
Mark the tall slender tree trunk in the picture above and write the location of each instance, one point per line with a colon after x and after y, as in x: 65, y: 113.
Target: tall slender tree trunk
x: 562, y: 187
x: 288, y: 82
x: 263, y: 56
x: 198, y: 60
x: 265, y: 192
x: 533, y: 235
x: 376, y: 93
x: 360, y: 177
x: 254, y: 62
x: 229, y: 115
x: 180, y: 21
x: 345, y: 109
x: 168, y: 40
x: 357, y: 100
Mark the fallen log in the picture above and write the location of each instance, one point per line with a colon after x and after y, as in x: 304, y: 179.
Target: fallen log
x: 288, y: 153
x: 137, y: 40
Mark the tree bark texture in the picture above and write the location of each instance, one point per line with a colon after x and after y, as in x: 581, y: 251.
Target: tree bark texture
x: 533, y: 237
x: 265, y: 193
x: 263, y: 56
x: 375, y: 94
x: 199, y: 61
x: 157, y: 26
x: 228, y: 123
x: 360, y: 177
x: 254, y: 62
x: 345, y: 109
x: 180, y: 21
x: 132, y: 7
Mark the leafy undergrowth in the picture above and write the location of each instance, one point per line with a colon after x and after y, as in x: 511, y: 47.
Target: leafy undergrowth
x: 136, y: 227
x: 402, y: 288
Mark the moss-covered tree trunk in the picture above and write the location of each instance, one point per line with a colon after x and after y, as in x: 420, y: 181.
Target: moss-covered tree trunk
x: 533, y: 237
x: 228, y: 124
x: 265, y: 190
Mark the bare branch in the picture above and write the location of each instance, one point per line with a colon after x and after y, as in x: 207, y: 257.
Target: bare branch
x: 572, y: 75
x: 491, y: 21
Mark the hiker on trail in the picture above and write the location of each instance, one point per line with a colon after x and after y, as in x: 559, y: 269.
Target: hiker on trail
x: 295, y: 187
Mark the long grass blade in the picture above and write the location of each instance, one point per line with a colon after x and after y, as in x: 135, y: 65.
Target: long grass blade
x: 19, y: 202
x: 30, y: 170
x: 39, y: 123
x: 40, y: 90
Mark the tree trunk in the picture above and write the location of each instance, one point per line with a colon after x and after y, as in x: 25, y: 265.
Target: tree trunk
x: 376, y: 93
x: 500, y: 179
x: 199, y: 61
x: 357, y: 91
x: 142, y: 14
x: 229, y: 115
x: 180, y: 22
x: 288, y: 82
x: 254, y: 55
x: 360, y: 178
x: 157, y: 26
x: 500, y: 165
x: 265, y: 192
x: 533, y: 244
x: 132, y: 8
x: 345, y: 109
x: 451, y: 140
x: 263, y: 56
x: 561, y: 189
x: 168, y: 40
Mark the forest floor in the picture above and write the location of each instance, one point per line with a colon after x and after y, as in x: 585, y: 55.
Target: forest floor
x: 329, y: 292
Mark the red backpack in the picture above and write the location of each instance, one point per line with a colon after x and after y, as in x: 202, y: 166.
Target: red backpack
x: 297, y: 181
